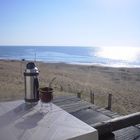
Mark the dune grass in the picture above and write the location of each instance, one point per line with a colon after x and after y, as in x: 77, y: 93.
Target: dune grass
x: 122, y: 83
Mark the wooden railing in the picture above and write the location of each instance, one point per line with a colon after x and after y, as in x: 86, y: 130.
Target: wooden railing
x: 109, y: 126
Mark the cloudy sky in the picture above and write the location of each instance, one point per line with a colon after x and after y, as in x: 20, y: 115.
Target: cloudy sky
x: 70, y: 22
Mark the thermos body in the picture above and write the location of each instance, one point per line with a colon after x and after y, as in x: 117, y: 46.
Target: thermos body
x: 31, y: 83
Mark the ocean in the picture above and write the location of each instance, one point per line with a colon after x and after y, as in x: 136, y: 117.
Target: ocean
x: 104, y: 56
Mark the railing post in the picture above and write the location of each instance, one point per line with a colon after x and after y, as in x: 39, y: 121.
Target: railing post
x: 92, y: 97
x: 109, y: 102
x: 79, y: 95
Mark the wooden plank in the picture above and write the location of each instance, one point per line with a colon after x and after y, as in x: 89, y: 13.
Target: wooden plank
x: 130, y: 133
x: 76, y: 106
x: 74, y: 103
x: 63, y: 102
x: 74, y: 109
x: 100, y: 109
x: 117, y: 123
x: 138, y: 126
x: 115, y: 116
x: 94, y: 107
x: 63, y: 98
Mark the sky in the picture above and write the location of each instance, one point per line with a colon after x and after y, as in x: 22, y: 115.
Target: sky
x: 70, y: 22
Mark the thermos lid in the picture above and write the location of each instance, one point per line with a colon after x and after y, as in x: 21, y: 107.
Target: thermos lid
x: 30, y: 65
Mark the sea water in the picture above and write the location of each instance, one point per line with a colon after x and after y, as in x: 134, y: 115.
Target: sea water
x: 106, y: 56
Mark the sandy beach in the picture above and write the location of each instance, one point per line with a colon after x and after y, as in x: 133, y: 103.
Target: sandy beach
x: 122, y: 83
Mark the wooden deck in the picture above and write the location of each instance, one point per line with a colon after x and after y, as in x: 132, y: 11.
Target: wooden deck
x: 91, y: 114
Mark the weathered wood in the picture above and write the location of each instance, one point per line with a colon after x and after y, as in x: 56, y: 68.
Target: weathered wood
x: 117, y: 123
x: 76, y: 106
x: 79, y: 95
x: 60, y: 102
x: 109, y: 102
x: 128, y: 133
x: 92, y: 97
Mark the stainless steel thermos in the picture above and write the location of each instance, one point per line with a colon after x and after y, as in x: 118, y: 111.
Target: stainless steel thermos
x: 31, y: 83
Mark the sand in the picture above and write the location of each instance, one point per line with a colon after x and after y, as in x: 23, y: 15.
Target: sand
x: 122, y: 83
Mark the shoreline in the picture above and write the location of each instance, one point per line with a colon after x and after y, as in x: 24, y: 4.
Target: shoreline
x: 122, y: 83
x: 76, y: 64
